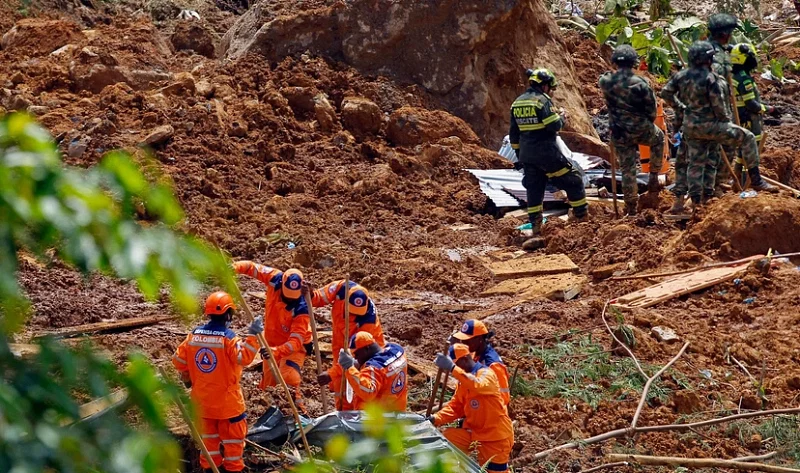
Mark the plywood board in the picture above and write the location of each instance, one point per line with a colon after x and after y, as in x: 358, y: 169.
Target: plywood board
x: 99, y: 405
x: 115, y: 326
x: 678, y: 286
x: 532, y: 266
x: 537, y: 285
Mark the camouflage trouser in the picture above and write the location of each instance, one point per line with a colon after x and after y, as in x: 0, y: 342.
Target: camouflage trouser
x: 706, y: 138
x: 681, y: 167
x: 723, y: 174
x: 627, y: 148
x: 755, y: 124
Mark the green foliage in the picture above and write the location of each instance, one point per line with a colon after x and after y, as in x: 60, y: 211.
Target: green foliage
x: 782, y: 433
x: 39, y: 428
x: 584, y: 371
x: 86, y: 215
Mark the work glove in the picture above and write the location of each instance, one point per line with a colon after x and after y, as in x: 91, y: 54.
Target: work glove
x: 444, y: 363
x: 652, y: 183
x: 518, y: 165
x: 256, y: 326
x: 266, y: 353
x: 345, y: 360
x: 324, y: 379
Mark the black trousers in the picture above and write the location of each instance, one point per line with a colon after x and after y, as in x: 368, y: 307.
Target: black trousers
x: 557, y: 170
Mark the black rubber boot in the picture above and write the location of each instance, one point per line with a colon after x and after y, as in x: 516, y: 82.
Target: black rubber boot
x: 630, y: 209
x: 758, y: 183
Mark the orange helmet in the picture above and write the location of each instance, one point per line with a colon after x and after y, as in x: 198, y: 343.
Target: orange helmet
x: 218, y: 303
x: 292, y: 284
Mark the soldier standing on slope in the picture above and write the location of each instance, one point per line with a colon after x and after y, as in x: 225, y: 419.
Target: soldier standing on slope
x: 632, y: 110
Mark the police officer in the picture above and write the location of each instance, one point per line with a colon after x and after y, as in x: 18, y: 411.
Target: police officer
x: 632, y: 110
x: 532, y: 133
x: 210, y: 361
x: 698, y: 93
x: 749, y: 105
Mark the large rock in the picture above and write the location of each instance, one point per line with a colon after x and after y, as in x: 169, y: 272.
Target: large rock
x: 468, y: 54
x: 409, y: 126
x: 193, y: 36
x: 361, y: 116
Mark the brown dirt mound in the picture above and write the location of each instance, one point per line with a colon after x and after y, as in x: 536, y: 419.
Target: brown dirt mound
x: 751, y: 226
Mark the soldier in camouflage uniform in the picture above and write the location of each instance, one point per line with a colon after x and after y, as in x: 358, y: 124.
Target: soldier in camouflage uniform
x: 748, y: 103
x: 681, y: 187
x: 533, y: 130
x: 698, y: 94
x: 721, y: 26
x: 631, y: 110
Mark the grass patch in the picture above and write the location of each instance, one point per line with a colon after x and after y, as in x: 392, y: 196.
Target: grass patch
x: 582, y: 370
x: 780, y: 433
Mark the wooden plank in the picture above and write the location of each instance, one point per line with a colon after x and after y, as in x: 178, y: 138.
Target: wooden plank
x: 115, y: 326
x: 536, y: 285
x: 678, y: 286
x: 101, y: 404
x: 532, y: 266
x: 521, y: 213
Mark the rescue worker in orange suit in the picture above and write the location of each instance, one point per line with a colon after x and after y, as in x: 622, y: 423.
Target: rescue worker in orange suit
x: 475, y: 335
x: 382, y: 377
x: 363, y: 318
x: 478, y: 402
x: 210, y: 361
x: 286, y: 321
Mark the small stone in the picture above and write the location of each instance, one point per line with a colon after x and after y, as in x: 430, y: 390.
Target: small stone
x: 38, y: 110
x: 159, y: 135
x: 19, y: 103
x: 237, y: 129
x: 182, y: 85
x: 17, y: 78
x: 204, y: 88
x: 664, y: 334
x: 77, y: 147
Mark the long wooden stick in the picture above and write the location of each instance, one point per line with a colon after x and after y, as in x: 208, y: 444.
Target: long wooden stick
x: 700, y: 463
x: 317, y: 355
x: 675, y: 47
x: 730, y: 169
x: 650, y: 381
x: 198, y: 439
x: 691, y: 270
x: 781, y: 185
x: 732, y: 98
x: 613, y: 156
x: 661, y: 428
x: 276, y: 372
x: 343, y: 387
x: 754, y: 458
x: 436, y: 383
x: 605, y: 467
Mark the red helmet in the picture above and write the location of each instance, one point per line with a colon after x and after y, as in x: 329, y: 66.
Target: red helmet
x: 218, y: 303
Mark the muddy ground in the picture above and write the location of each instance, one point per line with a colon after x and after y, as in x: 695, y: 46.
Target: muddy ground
x: 270, y: 169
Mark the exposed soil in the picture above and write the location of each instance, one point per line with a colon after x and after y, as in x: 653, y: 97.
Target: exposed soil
x: 307, y: 162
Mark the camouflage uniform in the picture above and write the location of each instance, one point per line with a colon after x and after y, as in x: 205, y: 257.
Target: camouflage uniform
x: 632, y: 111
x: 699, y: 94
x: 722, y: 67
x: 681, y: 187
x: 533, y: 130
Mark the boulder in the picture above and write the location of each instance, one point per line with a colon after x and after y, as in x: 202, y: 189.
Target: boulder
x: 193, y: 36
x: 475, y: 70
x: 361, y: 116
x: 410, y: 126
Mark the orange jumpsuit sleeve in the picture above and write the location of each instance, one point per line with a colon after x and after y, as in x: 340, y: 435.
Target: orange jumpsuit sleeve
x: 453, y: 410
x: 300, y: 335
x: 367, y: 382
x: 326, y: 295
x: 179, y: 359
x: 255, y: 270
x: 501, y: 372
x: 241, y: 352
x: 482, y: 382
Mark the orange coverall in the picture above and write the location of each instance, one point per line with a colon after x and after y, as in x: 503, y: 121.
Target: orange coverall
x: 492, y: 359
x: 287, y: 327
x: 478, y: 401
x: 382, y: 380
x: 334, y: 294
x: 214, y: 356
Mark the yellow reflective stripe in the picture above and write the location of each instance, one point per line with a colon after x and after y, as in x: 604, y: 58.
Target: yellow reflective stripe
x: 551, y: 119
x: 758, y: 137
x: 514, y: 145
x: 578, y: 203
x: 527, y: 103
x: 558, y: 173
x: 750, y: 96
x: 536, y: 126
x: 535, y: 209
x: 740, y: 103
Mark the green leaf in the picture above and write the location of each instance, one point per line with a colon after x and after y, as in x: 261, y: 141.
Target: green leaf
x: 685, y: 23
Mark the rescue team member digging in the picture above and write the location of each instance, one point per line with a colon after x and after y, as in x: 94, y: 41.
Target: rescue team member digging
x: 363, y: 318
x: 382, y: 377
x: 287, y: 324
x: 487, y: 427
x: 475, y: 335
x: 532, y: 133
x: 210, y: 362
